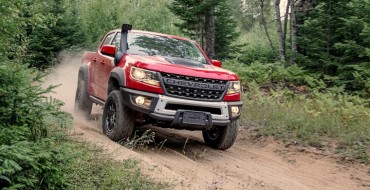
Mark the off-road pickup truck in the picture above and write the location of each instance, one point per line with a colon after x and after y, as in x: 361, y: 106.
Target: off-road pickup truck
x: 141, y: 77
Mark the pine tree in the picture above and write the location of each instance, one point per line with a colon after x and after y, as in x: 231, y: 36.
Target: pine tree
x: 210, y: 22
x: 334, y: 40
x: 226, y: 32
x: 58, y: 31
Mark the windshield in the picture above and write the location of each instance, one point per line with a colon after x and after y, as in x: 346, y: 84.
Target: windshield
x: 153, y: 45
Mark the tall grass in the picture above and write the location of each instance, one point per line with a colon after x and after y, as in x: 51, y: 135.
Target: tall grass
x: 293, y: 105
x: 315, y: 119
x: 91, y: 169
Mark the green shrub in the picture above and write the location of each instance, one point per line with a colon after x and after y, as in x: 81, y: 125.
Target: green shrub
x: 143, y: 15
x: 29, y: 157
x: 23, y: 101
x: 34, y: 150
x: 256, y: 47
x: 34, y: 165
x: 273, y: 73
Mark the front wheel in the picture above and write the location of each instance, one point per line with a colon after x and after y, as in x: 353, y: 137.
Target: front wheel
x: 118, y: 120
x: 221, y: 137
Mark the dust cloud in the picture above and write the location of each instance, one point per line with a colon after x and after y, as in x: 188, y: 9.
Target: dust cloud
x: 65, y: 74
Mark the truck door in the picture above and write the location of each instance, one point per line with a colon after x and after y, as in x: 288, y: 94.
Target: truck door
x: 108, y: 65
x: 97, y: 68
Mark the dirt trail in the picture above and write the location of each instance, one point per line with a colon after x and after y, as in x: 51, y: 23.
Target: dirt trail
x: 186, y: 163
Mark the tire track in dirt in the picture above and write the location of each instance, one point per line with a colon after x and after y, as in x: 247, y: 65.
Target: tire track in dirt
x: 186, y: 163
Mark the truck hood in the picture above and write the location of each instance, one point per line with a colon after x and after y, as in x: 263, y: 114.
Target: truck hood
x: 162, y: 64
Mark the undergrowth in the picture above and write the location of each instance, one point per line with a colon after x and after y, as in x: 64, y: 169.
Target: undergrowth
x: 294, y: 106
x: 91, y: 169
x: 139, y: 141
x: 35, y: 152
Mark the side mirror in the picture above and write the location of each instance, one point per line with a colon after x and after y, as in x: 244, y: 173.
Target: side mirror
x: 108, y: 50
x: 216, y: 63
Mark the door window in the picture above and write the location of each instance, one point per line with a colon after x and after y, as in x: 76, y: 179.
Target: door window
x: 108, y: 39
x: 117, y: 41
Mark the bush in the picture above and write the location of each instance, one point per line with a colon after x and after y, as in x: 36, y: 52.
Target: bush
x: 34, y: 150
x: 29, y: 125
x: 273, y: 73
x: 23, y: 101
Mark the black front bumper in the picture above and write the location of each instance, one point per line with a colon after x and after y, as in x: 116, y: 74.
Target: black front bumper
x: 175, y: 118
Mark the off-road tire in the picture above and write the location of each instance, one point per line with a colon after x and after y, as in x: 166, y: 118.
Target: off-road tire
x: 221, y: 137
x: 118, y: 120
x: 83, y: 103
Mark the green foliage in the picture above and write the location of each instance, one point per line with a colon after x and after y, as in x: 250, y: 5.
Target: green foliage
x: 108, y: 15
x: 296, y: 106
x: 28, y: 124
x: 256, y: 47
x: 90, y: 169
x: 34, y: 151
x: 334, y: 40
x: 58, y: 30
x: 11, y: 23
x: 193, y: 15
x: 267, y: 74
x: 226, y: 33
x: 36, y: 31
x: 67, y: 165
x: 315, y: 119
x: 34, y: 165
x: 248, y: 13
x: 22, y: 102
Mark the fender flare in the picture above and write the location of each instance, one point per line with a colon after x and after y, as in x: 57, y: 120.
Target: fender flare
x: 83, y: 73
x: 119, y: 75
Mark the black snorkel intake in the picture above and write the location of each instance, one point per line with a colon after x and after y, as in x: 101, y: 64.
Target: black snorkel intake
x: 123, y: 46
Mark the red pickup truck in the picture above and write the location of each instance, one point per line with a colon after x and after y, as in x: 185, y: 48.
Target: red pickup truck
x: 144, y: 77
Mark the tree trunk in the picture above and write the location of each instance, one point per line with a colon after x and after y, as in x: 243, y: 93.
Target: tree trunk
x: 263, y: 21
x: 293, y: 29
x: 210, y: 35
x: 199, y: 31
x: 280, y: 31
x: 285, y: 31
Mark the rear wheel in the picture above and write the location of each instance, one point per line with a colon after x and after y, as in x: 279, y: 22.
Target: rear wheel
x: 118, y: 120
x: 221, y: 138
x: 83, y: 103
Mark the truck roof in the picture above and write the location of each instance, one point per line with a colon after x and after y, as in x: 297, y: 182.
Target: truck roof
x: 156, y: 33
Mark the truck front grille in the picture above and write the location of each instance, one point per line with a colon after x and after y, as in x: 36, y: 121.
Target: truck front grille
x: 194, y: 87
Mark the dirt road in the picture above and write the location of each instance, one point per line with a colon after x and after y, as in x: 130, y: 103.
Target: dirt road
x: 186, y: 163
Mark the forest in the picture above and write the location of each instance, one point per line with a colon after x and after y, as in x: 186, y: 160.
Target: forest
x: 304, y: 66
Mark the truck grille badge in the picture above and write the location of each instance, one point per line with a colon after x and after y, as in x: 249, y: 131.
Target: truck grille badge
x: 194, y: 87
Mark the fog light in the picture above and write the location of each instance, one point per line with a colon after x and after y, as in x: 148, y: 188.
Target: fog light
x: 142, y: 101
x: 235, y: 111
x: 139, y: 100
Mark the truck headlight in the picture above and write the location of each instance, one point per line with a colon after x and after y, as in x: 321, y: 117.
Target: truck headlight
x: 234, y: 87
x: 145, y: 76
